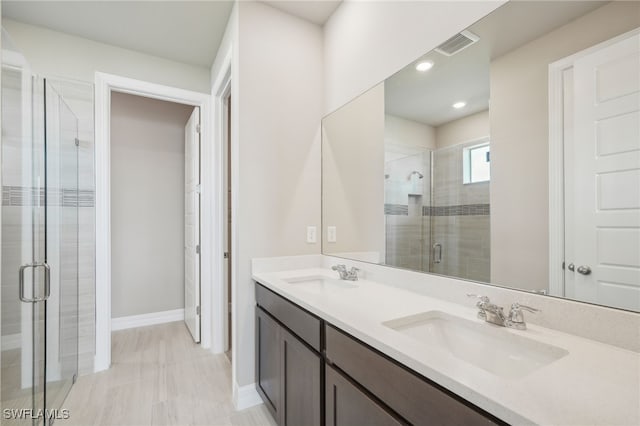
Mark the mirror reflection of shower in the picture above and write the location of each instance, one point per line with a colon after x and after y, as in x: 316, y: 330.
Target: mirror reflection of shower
x: 437, y: 209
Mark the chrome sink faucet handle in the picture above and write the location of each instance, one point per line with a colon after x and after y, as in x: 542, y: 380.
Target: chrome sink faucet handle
x: 481, y: 304
x: 516, y: 317
x: 340, y: 268
x: 350, y: 275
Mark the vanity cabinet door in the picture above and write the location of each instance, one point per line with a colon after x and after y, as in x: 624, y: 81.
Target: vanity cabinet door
x: 346, y: 405
x: 301, y: 383
x: 268, y: 362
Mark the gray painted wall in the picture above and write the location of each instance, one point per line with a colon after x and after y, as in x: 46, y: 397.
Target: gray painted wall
x: 147, y: 205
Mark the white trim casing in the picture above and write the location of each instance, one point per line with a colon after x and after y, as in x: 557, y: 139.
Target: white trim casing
x: 556, y: 177
x: 245, y: 396
x: 144, y: 320
x: 220, y: 88
x: 104, y: 85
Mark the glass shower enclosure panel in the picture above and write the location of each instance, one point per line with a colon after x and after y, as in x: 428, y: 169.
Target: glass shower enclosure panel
x: 61, y: 143
x: 39, y: 281
x: 24, y: 273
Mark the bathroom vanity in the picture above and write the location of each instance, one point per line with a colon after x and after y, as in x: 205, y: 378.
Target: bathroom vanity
x: 310, y: 372
x: 335, y: 352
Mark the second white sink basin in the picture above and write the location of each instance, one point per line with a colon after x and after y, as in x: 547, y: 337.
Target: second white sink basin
x: 489, y: 347
x: 319, y: 282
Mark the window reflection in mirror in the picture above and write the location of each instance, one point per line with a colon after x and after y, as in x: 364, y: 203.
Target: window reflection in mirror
x: 477, y: 159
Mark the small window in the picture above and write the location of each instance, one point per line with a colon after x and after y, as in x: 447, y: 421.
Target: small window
x: 476, y: 163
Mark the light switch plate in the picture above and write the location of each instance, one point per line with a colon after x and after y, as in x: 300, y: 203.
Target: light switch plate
x: 331, y: 234
x: 311, y: 234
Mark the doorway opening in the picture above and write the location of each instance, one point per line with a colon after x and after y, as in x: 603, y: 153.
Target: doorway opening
x: 107, y: 86
x: 155, y: 212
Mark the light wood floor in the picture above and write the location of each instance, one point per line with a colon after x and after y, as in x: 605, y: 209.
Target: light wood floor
x: 159, y: 377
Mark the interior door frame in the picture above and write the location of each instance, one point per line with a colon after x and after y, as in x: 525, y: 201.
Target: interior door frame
x: 105, y: 84
x: 556, y: 160
x: 222, y: 85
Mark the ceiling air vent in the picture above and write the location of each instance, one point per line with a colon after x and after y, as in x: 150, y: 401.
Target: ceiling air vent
x: 457, y: 43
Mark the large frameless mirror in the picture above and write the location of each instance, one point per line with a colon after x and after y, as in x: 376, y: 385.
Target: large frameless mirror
x: 507, y: 155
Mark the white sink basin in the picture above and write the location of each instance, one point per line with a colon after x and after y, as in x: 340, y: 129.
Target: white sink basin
x: 486, y: 346
x: 319, y: 282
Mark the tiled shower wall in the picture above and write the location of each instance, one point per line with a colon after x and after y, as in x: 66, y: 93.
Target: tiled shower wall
x: 11, y: 216
x: 79, y: 97
x: 458, y: 219
x: 407, y: 240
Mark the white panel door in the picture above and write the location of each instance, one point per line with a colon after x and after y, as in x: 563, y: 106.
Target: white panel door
x: 606, y: 226
x: 192, y: 225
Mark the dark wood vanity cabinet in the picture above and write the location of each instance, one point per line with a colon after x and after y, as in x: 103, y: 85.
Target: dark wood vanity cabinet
x: 348, y: 405
x: 310, y: 373
x: 413, y: 398
x: 288, y: 371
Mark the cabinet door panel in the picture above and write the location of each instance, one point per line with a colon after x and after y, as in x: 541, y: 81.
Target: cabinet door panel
x: 268, y: 365
x: 410, y: 396
x: 305, y: 325
x: 302, y: 384
x: 346, y: 405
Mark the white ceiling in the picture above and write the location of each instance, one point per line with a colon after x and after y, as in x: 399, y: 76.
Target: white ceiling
x: 316, y: 11
x: 183, y: 31
x: 428, y: 97
x: 186, y: 31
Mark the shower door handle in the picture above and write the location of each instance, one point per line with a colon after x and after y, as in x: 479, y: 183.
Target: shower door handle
x: 47, y: 282
x: 437, y: 249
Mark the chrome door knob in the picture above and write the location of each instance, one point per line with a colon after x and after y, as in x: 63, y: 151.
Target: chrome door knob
x: 584, y: 270
x: 571, y: 267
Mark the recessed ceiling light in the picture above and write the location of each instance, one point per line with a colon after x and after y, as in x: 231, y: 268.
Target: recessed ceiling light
x: 424, y: 66
x: 459, y: 105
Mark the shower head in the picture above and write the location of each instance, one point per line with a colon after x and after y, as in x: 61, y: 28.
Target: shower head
x: 415, y: 172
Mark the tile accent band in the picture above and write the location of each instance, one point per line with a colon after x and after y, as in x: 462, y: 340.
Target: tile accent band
x: 456, y: 210
x: 396, y: 209
x: 18, y: 196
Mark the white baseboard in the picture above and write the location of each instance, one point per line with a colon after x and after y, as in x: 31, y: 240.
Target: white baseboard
x: 153, y: 318
x: 245, y: 396
x: 11, y: 341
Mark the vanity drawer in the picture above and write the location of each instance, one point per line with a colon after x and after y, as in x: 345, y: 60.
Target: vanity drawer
x: 411, y: 396
x: 306, y: 326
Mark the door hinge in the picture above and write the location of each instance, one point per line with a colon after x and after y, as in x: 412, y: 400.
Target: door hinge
x: 198, y: 128
x: 77, y: 142
x: 198, y: 249
x: 198, y: 188
x: 198, y: 310
x: 226, y: 254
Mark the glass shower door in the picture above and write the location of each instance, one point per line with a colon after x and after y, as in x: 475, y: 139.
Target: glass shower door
x: 39, y: 281
x: 25, y: 276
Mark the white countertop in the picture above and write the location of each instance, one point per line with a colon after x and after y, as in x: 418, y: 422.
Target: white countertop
x: 595, y: 384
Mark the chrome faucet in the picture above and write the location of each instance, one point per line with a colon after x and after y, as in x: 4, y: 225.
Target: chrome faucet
x: 350, y: 275
x: 494, y: 314
x: 516, y: 317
